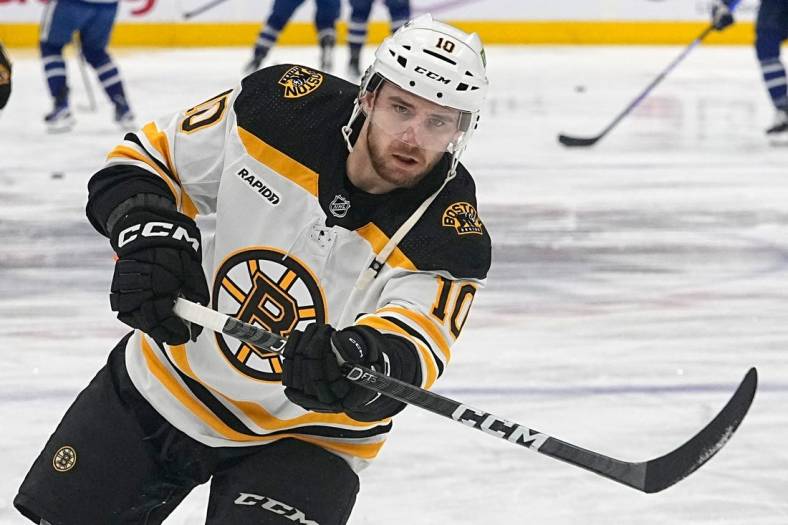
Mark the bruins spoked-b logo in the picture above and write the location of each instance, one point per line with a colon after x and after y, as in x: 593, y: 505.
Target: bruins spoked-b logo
x: 65, y: 458
x: 265, y: 288
x: 299, y: 81
x: 462, y: 216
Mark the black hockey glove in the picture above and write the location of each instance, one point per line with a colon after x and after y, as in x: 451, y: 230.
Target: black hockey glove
x: 313, y: 378
x: 159, y: 254
x: 721, y: 16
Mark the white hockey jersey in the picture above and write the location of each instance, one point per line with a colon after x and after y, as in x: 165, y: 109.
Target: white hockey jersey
x: 292, y: 237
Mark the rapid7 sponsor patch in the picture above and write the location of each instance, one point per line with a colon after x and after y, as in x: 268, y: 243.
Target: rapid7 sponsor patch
x: 254, y: 182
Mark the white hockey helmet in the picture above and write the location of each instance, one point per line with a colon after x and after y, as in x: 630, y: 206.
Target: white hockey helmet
x: 437, y: 62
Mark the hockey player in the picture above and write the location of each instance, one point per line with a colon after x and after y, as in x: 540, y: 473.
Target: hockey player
x: 93, y: 20
x: 771, y: 29
x: 343, y: 220
x: 326, y: 14
x: 399, y: 12
x: 5, y: 77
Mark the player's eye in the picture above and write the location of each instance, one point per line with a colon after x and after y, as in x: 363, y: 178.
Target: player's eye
x: 436, y: 122
x: 400, y: 109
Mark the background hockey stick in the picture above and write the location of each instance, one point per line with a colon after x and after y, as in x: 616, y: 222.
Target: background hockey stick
x: 571, y: 141
x: 647, y: 476
x: 203, y: 8
x: 83, y: 71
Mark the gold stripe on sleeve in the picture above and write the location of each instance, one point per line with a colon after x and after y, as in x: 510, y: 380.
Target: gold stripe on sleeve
x: 158, y: 140
x: 126, y: 152
x: 383, y: 324
x: 425, y: 323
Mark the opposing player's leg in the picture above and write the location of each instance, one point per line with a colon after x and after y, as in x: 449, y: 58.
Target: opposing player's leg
x: 59, y: 21
x: 286, y: 482
x: 399, y: 11
x: 95, y: 35
x: 112, y: 459
x: 357, y: 34
x: 281, y: 12
x: 326, y: 16
x: 771, y: 30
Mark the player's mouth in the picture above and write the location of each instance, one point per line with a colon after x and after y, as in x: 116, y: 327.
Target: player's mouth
x: 405, y: 160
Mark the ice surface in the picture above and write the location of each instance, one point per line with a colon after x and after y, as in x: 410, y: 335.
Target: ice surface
x: 633, y: 284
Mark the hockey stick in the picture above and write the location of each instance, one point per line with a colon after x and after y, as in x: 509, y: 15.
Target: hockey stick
x: 647, y: 476
x: 203, y: 8
x: 85, y: 78
x: 568, y: 140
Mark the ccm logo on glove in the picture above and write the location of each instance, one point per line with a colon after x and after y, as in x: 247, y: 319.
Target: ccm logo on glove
x: 157, y: 229
x: 159, y: 260
x: 358, y: 347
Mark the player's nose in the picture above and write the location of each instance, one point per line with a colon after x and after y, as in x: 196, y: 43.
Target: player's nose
x: 409, y: 136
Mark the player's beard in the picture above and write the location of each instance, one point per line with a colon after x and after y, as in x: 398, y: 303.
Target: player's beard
x: 397, y: 162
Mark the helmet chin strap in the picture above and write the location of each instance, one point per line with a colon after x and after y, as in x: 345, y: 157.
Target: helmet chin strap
x: 347, y: 129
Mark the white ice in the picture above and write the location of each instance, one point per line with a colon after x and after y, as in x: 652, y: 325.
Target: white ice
x: 633, y: 285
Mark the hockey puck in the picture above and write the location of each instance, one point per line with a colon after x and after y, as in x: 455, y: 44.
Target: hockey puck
x: 57, y: 175
x: 580, y: 89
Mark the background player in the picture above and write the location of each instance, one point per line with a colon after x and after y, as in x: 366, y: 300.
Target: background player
x: 93, y: 21
x: 344, y: 221
x: 771, y: 29
x: 399, y: 12
x: 326, y: 14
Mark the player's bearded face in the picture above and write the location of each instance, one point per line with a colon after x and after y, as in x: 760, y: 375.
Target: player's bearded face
x: 407, y: 135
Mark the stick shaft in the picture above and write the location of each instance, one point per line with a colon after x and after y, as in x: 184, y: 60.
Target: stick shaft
x: 203, y: 8
x: 568, y: 140
x: 83, y: 70
x: 654, y: 83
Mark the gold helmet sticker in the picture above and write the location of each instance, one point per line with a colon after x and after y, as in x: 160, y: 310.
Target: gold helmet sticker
x: 462, y: 216
x: 65, y: 459
x: 300, y: 81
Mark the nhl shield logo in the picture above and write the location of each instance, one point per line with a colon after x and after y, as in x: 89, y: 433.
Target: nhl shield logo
x: 299, y: 81
x: 339, y: 206
x: 462, y: 216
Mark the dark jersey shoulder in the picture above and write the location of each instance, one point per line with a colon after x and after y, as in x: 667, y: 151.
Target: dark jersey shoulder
x: 298, y: 111
x: 450, y: 235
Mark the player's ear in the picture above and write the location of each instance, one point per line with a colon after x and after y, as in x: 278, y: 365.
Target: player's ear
x: 368, y: 101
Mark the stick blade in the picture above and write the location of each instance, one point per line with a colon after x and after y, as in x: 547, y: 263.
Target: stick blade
x: 573, y: 142
x: 671, y: 468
